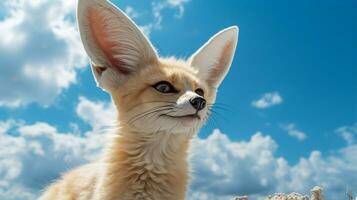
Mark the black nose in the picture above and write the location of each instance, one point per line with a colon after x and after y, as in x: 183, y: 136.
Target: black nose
x: 198, y: 103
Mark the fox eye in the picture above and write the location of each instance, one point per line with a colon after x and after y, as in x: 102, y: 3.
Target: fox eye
x: 165, y: 87
x: 200, y: 92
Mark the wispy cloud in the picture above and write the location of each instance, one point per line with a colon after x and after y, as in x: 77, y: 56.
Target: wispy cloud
x: 131, y: 12
x: 97, y: 114
x: 293, y: 131
x: 159, y: 7
x: 348, y: 133
x: 40, y: 51
x: 174, y: 4
x: 268, y: 100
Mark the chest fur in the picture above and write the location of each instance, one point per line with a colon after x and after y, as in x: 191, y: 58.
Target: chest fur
x: 147, y: 170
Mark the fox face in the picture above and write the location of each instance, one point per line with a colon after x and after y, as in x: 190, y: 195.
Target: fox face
x: 152, y: 94
x: 166, y: 96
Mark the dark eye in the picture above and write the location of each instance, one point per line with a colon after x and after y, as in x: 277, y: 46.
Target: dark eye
x: 200, y: 92
x: 164, y: 87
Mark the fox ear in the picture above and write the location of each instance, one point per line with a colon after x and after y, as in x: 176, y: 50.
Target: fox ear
x: 214, y: 58
x: 115, y: 45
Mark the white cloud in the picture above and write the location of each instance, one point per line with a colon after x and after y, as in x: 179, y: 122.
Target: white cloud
x: 159, y: 7
x: 6, y: 125
x: 178, y: 4
x: 131, y: 12
x: 33, y: 155
x: 293, y: 131
x: 268, y: 100
x: 98, y: 114
x: 224, y: 168
x: 40, y: 51
x: 348, y: 133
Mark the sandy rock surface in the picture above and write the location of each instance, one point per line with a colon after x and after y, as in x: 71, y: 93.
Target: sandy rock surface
x: 316, y: 194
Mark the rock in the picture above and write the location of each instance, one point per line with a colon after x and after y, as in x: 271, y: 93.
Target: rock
x: 240, y: 198
x: 316, y: 193
x: 282, y: 196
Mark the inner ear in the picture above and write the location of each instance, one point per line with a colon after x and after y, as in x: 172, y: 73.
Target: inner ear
x: 99, y: 69
x: 115, y: 45
x: 214, y: 58
x: 219, y: 69
x: 100, y: 28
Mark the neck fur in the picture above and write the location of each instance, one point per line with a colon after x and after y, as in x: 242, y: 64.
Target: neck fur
x: 148, y: 166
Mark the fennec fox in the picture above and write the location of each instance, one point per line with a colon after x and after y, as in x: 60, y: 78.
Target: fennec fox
x: 162, y: 103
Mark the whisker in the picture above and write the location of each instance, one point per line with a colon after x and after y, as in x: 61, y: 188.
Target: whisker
x: 212, y: 119
x: 172, y: 128
x: 148, y: 114
x: 156, y: 109
x: 168, y: 112
x: 220, y: 104
x: 159, y: 115
x: 215, y: 121
x: 139, y: 104
x: 220, y: 115
x: 143, y: 113
x: 224, y: 108
x: 220, y: 108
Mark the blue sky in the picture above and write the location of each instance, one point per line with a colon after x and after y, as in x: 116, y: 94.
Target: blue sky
x: 291, y: 93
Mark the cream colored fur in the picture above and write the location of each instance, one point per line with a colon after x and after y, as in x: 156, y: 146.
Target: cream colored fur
x: 147, y: 159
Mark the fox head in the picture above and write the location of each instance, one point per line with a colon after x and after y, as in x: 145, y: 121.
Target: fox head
x: 152, y: 94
